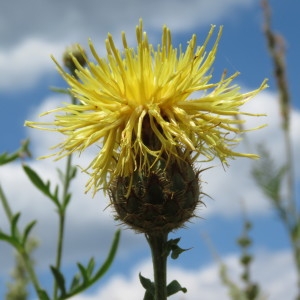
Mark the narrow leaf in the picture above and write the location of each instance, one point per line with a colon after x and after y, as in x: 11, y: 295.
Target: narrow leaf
x: 39, y: 183
x: 67, y: 200
x: 102, y: 270
x: 111, y: 255
x: 83, y: 272
x: 147, y: 284
x: 23, y: 151
x: 43, y: 295
x: 174, y: 287
x: 75, y: 282
x: 6, y: 158
x: 9, y: 239
x: 13, y: 225
x: 59, y: 278
x: 148, y: 296
x: 36, y: 179
x: 72, y: 173
x: 90, y: 267
x: 27, y: 231
x: 176, y: 251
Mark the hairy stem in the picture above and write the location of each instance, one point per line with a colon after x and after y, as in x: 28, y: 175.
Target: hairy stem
x: 157, y: 243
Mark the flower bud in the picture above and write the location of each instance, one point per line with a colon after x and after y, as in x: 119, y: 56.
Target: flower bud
x: 72, y: 54
x: 159, y: 200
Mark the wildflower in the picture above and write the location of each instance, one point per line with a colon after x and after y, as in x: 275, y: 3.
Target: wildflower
x: 140, y: 106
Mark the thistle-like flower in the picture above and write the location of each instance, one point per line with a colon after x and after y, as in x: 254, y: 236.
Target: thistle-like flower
x: 140, y: 106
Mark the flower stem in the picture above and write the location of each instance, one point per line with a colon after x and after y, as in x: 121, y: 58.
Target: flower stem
x: 62, y: 215
x: 5, y: 205
x: 157, y: 243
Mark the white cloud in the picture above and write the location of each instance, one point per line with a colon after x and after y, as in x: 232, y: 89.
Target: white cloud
x: 26, y: 63
x: 37, y: 31
x: 273, y: 271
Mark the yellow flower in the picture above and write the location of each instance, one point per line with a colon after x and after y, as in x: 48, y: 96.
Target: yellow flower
x: 141, y: 104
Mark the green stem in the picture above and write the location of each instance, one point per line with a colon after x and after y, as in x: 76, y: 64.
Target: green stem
x: 5, y: 205
x: 157, y: 243
x: 61, y: 226
x: 30, y: 270
x: 62, y: 214
x: 22, y: 251
x: 290, y: 175
x: 297, y: 258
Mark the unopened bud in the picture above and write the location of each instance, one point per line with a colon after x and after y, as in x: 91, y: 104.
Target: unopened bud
x: 159, y: 200
x: 74, y: 53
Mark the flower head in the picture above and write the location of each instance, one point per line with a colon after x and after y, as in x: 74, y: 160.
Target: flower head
x: 140, y: 105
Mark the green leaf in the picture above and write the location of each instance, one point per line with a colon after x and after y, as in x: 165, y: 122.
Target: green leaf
x: 90, y: 267
x: 13, y: 225
x: 59, y: 278
x: 174, y: 287
x: 43, y: 295
x: 296, y: 232
x: 86, y: 273
x: 72, y: 172
x: 39, y: 183
x: 75, y: 282
x: 83, y: 272
x: 111, y: 255
x: 61, y: 175
x: 27, y: 231
x: 36, y: 179
x: 6, y: 158
x: 67, y: 200
x: 148, y: 296
x: 176, y: 251
x: 174, y: 248
x: 9, y: 239
x: 101, y: 271
x: 148, y: 286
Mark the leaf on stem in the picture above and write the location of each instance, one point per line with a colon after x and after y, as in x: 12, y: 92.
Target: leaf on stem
x: 60, y: 279
x: 41, y: 185
x: 172, y: 246
x: 83, y: 273
x: 9, y: 239
x: 75, y: 283
x: 175, y: 287
x: 43, y: 295
x: 13, y: 225
x: 83, y: 280
x: 27, y: 230
x: 148, y: 286
x: 6, y: 158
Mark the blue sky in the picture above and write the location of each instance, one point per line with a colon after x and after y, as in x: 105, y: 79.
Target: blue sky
x: 37, y: 29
